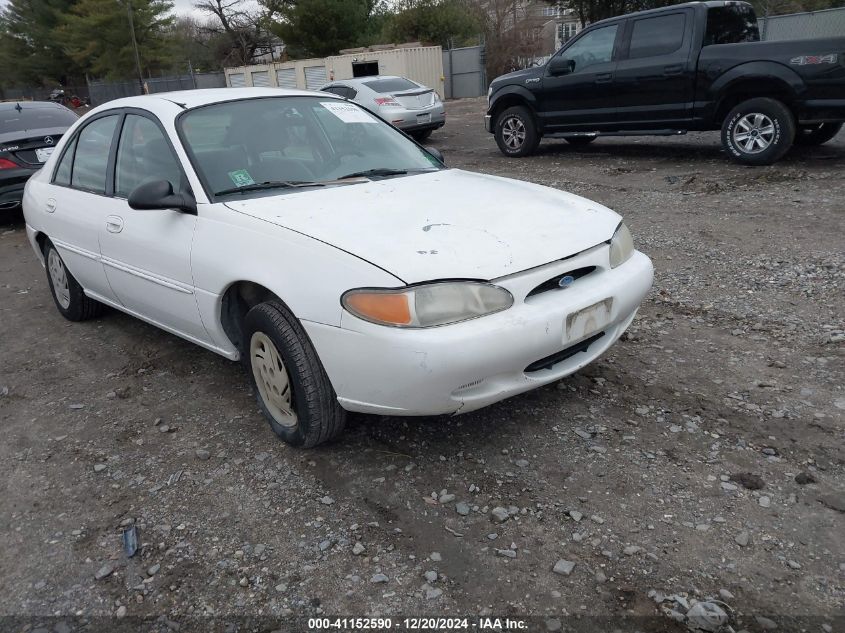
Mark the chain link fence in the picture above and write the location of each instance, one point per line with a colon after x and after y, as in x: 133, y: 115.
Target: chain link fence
x: 104, y: 91
x: 803, y: 26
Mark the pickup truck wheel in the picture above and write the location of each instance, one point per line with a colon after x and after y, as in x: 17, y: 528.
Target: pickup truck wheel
x: 817, y: 134
x: 516, y: 133
x: 758, y: 131
x: 294, y: 393
x: 71, y: 301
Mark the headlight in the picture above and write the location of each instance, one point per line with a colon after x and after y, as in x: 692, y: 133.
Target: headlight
x: 427, y: 305
x: 621, y: 246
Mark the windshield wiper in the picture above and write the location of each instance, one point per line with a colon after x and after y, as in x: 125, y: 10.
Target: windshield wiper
x: 270, y: 184
x: 380, y: 171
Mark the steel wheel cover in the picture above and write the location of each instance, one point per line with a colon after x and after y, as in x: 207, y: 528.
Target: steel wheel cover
x: 754, y: 133
x: 58, y: 275
x: 513, y: 132
x: 272, y: 379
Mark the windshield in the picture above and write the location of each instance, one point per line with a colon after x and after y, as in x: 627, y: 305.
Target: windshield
x: 242, y: 147
x: 732, y: 24
x: 32, y: 117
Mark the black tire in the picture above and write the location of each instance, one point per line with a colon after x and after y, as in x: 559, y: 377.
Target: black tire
x: 516, y: 132
x: 422, y: 135
x: 758, y: 131
x: 318, y: 416
x: 79, y: 306
x: 817, y: 134
x: 580, y: 141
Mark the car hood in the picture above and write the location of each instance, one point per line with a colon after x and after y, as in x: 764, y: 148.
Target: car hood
x: 517, y: 76
x: 444, y: 224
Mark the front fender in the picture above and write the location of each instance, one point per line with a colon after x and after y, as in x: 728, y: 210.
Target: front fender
x: 510, y: 94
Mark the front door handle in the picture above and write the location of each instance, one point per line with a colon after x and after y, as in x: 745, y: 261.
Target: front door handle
x: 50, y: 206
x: 673, y: 69
x: 603, y: 78
x: 114, y: 224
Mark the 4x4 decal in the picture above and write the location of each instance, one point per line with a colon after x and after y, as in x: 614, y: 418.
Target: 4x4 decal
x: 805, y: 60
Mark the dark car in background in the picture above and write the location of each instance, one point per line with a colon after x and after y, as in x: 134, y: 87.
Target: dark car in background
x: 693, y: 66
x: 29, y: 130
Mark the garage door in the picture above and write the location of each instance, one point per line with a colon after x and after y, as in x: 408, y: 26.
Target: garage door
x: 286, y: 78
x: 261, y: 79
x: 236, y: 80
x: 315, y: 76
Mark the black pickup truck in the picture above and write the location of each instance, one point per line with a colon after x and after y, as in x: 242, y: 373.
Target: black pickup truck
x: 694, y: 66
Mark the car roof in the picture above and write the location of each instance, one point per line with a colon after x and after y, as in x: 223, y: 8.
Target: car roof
x: 187, y: 99
x: 12, y: 105
x: 710, y: 4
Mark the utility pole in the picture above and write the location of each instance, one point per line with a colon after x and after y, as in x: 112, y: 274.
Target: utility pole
x: 135, y: 46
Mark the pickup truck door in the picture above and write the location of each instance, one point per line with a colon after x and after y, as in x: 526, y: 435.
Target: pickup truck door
x: 581, y: 99
x: 654, y: 85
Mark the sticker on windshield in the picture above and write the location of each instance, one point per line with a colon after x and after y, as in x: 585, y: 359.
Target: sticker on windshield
x: 347, y: 112
x: 241, y: 178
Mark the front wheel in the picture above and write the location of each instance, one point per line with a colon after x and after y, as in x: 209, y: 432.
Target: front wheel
x: 516, y: 132
x: 817, y: 134
x: 758, y: 131
x: 294, y: 393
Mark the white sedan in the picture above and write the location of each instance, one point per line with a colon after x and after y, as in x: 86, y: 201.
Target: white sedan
x: 345, y: 265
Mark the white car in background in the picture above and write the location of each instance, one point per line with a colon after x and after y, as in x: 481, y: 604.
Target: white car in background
x: 406, y: 104
x: 345, y: 265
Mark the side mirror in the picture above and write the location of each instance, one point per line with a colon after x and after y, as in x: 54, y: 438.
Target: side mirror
x: 561, y: 66
x: 436, y: 153
x: 158, y: 194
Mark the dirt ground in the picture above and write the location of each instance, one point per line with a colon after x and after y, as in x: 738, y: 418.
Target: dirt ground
x: 702, y: 456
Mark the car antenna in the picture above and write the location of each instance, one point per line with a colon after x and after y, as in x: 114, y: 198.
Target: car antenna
x: 18, y: 107
x: 184, y: 106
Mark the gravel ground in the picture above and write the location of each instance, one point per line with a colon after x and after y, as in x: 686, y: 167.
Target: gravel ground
x: 701, y: 457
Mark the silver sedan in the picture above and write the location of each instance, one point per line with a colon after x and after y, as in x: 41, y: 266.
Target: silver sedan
x: 408, y: 105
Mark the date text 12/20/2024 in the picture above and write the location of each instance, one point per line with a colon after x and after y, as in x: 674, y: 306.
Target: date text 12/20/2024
x: 418, y: 624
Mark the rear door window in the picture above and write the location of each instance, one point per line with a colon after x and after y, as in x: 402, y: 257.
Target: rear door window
x: 91, y: 158
x: 732, y: 24
x: 62, y: 176
x: 660, y: 35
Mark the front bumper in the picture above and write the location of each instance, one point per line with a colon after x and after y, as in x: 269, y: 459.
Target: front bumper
x: 469, y: 365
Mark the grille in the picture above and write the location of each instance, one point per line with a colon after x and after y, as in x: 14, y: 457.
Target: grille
x: 550, y: 361
x: 554, y: 282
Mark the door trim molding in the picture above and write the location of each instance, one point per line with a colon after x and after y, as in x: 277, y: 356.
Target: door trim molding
x: 167, y: 283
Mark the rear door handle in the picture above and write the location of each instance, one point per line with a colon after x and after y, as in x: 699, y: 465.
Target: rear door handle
x: 673, y: 69
x: 603, y: 78
x: 114, y: 224
x: 50, y: 206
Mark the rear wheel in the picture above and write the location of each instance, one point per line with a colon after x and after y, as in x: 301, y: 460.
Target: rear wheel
x: 579, y: 141
x: 816, y: 134
x: 422, y: 135
x: 293, y: 390
x: 758, y: 131
x: 516, y: 132
x: 68, y: 295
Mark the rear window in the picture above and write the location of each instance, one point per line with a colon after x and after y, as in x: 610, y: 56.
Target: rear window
x: 733, y: 24
x: 657, y: 36
x: 34, y: 118
x: 395, y: 84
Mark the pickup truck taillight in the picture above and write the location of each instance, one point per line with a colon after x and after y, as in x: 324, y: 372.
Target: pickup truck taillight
x: 5, y: 163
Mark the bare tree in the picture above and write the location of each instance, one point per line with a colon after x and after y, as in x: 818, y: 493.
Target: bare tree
x: 244, y: 30
x: 510, y: 34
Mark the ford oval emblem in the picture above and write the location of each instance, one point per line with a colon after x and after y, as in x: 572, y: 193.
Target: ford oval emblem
x: 566, y: 281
